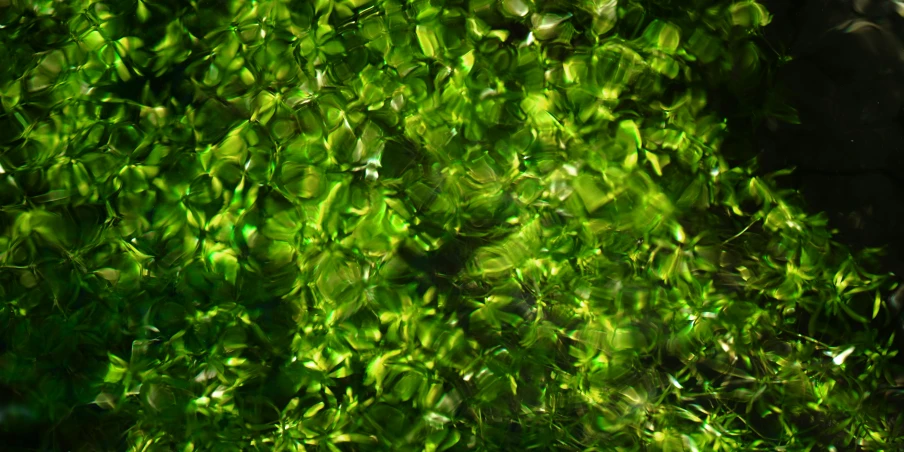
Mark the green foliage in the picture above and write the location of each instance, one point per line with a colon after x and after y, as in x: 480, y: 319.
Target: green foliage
x: 413, y: 225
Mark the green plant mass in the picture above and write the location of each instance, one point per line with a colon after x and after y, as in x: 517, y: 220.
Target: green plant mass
x: 441, y: 225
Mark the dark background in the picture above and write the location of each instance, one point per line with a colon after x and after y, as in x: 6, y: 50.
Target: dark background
x: 845, y: 81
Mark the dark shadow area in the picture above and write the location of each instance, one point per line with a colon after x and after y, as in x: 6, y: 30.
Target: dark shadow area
x: 845, y: 81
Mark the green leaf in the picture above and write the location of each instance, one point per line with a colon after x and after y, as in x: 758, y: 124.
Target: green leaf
x: 406, y: 387
x: 116, y: 369
x: 749, y: 14
x: 426, y: 37
x: 663, y: 36
x: 591, y: 195
x: 876, y: 304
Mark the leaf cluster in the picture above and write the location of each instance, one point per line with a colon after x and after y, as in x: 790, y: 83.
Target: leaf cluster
x: 413, y: 225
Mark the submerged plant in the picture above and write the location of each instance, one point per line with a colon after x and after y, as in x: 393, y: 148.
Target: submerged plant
x: 414, y: 225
